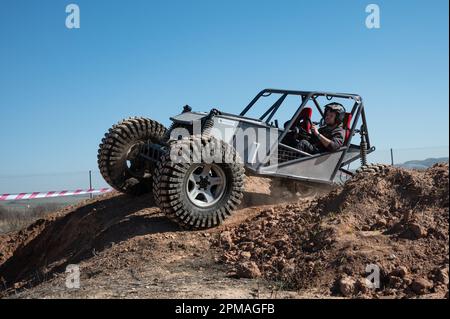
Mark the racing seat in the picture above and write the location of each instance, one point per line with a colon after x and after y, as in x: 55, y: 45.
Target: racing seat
x: 304, y: 119
x: 303, y: 122
x: 347, y: 126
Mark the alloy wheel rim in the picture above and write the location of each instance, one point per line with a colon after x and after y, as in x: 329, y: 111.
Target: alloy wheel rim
x: 205, y: 185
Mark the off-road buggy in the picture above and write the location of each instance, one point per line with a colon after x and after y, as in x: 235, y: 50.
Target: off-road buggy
x: 140, y: 155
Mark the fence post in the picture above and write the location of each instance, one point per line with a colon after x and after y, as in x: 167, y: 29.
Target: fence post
x: 392, y: 157
x: 90, y: 183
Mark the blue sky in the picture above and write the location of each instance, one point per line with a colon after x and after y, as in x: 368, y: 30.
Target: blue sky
x: 61, y: 89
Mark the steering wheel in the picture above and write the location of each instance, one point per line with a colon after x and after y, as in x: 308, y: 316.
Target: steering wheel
x: 321, y: 122
x: 299, y: 133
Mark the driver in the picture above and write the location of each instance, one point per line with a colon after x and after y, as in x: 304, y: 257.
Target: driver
x: 330, y: 137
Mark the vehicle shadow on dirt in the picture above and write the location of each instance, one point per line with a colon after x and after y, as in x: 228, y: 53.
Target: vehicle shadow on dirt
x: 53, y: 243
x: 49, y: 245
x: 252, y: 199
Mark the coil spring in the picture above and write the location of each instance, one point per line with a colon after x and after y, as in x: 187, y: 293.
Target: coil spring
x: 149, y: 152
x: 209, y: 123
x: 363, y: 151
x: 207, y: 126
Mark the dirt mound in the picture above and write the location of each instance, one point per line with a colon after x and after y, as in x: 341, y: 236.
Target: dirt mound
x: 49, y: 245
x: 396, y: 220
x: 105, y: 225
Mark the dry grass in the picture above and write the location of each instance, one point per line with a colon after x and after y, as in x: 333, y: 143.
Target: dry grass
x: 12, y: 219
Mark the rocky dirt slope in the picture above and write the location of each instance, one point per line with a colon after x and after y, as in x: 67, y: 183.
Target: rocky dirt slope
x: 310, y: 247
x: 396, y: 220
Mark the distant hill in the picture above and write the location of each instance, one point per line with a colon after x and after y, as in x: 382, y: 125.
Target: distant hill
x: 423, y: 164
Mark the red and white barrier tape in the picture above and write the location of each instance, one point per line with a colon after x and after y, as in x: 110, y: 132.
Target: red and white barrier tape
x: 36, y: 195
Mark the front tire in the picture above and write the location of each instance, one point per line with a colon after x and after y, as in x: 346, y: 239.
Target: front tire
x: 118, y: 159
x: 199, y: 195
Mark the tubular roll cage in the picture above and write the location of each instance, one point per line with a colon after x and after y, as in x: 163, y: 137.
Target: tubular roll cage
x: 357, y: 112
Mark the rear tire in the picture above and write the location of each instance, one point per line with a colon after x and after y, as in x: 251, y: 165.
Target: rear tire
x: 291, y: 189
x: 199, y: 195
x: 372, y: 169
x: 118, y: 159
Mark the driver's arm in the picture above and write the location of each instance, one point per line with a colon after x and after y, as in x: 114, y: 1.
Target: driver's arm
x: 323, y: 140
x: 333, y: 144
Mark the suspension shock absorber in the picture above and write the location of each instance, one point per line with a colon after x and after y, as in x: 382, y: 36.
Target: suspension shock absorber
x: 208, y: 124
x: 363, y: 147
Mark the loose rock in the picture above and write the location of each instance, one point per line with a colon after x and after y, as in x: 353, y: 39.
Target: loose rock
x: 347, y: 286
x: 421, y: 285
x: 400, y: 272
x: 417, y: 230
x: 248, y: 270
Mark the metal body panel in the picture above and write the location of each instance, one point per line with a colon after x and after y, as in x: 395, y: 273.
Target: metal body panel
x: 319, y: 167
x: 188, y: 118
x: 251, y: 139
